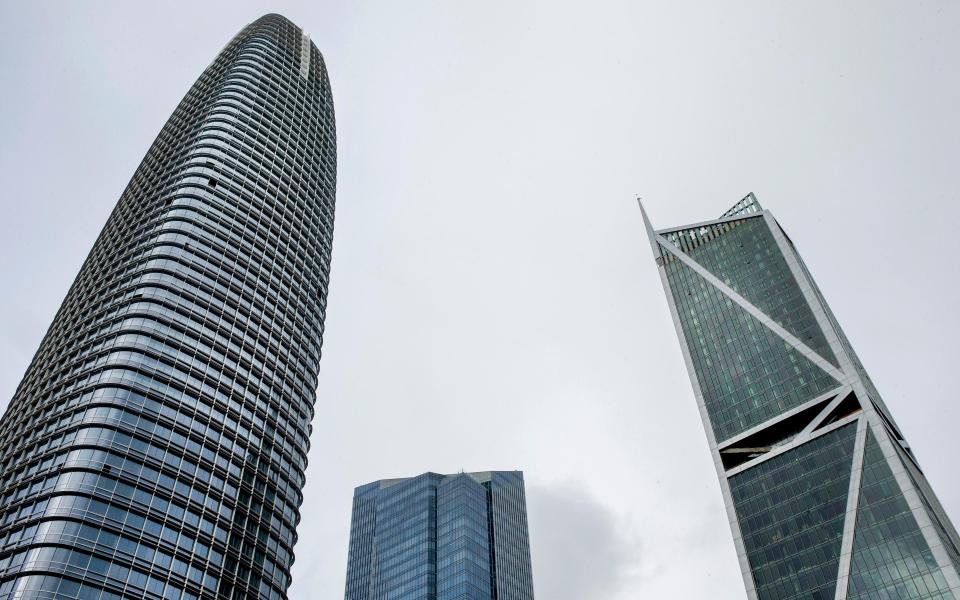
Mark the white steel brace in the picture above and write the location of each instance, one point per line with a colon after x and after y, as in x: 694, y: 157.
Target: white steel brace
x: 850, y: 516
x: 772, y: 325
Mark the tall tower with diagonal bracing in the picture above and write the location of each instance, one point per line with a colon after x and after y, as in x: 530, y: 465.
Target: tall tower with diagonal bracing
x: 156, y: 446
x: 824, y: 496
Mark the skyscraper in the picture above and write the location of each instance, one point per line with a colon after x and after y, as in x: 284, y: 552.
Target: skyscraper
x: 156, y: 446
x: 824, y: 496
x: 441, y: 537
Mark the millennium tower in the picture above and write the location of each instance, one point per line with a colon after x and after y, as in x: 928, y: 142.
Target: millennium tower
x: 823, y: 493
x: 441, y: 537
x: 156, y: 446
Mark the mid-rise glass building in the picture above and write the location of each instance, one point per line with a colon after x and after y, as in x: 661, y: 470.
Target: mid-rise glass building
x: 824, y: 495
x: 440, y: 537
x: 156, y: 446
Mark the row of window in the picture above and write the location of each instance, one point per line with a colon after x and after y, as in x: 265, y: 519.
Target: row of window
x: 214, y: 449
x: 255, y: 408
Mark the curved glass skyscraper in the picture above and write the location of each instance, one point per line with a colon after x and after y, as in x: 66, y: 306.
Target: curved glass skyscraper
x: 156, y: 446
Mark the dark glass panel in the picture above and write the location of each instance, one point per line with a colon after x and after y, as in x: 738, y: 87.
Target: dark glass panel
x: 791, y: 510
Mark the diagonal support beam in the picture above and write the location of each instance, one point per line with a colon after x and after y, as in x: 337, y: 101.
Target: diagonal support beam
x: 853, y: 504
x: 782, y: 417
x: 826, y: 411
x: 772, y: 325
x: 796, y: 442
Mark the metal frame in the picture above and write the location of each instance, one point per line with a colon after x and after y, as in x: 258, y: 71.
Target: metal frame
x: 840, y: 391
x: 709, y: 223
x: 795, y: 443
x: 829, y: 408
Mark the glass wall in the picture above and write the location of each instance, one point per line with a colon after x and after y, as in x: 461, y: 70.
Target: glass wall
x: 440, y: 537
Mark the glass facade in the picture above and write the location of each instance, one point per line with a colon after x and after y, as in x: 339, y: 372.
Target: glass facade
x: 440, y: 537
x: 747, y: 373
x: 156, y: 446
x: 791, y: 513
x: 828, y: 500
x: 744, y: 255
x: 890, y: 557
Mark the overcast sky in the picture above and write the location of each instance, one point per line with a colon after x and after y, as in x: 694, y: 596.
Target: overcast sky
x: 494, y: 303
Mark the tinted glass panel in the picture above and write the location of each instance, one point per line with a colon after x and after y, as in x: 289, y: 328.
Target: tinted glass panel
x: 891, y: 559
x: 791, y: 511
x: 745, y: 256
x: 747, y: 373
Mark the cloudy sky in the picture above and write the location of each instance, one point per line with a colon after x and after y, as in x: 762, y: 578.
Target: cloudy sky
x: 494, y: 303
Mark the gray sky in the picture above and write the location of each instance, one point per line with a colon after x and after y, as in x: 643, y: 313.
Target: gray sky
x: 494, y: 303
